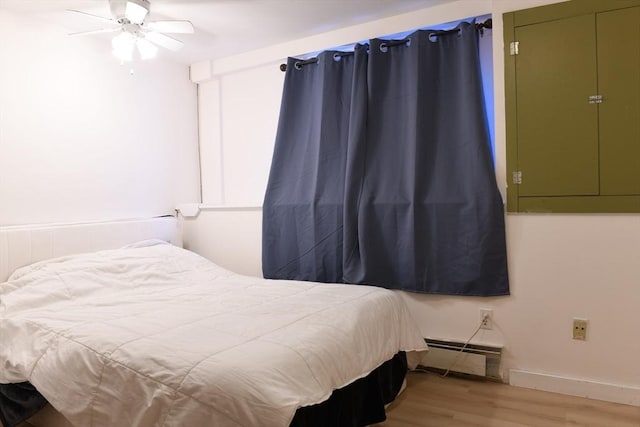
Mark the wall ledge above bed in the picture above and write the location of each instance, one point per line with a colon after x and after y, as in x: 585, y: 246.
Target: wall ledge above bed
x: 192, y: 210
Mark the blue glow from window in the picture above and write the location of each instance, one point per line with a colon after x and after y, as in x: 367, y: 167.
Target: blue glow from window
x: 486, y: 65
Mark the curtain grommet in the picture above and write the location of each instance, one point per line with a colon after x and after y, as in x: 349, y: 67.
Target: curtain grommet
x: 298, y: 65
x: 384, y: 48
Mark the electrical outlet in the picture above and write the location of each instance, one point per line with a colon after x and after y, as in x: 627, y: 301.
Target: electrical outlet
x: 486, y: 317
x: 580, y: 329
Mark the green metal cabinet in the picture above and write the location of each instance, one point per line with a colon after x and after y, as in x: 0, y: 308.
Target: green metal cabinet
x: 572, y: 85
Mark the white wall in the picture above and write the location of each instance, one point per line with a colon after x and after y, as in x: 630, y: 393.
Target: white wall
x: 232, y: 237
x: 561, y: 266
x: 82, y: 139
x: 238, y: 120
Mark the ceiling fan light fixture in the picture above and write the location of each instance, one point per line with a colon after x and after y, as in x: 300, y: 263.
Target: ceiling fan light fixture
x: 135, y: 33
x: 136, y: 11
x: 123, y: 45
x: 146, y: 49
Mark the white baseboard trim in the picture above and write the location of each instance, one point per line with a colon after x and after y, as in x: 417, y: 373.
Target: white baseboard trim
x: 616, y: 393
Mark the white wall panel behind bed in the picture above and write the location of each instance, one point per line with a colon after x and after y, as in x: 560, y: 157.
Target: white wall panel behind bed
x: 24, y: 245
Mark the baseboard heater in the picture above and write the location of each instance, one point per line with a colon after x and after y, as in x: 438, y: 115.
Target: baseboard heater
x: 482, y: 361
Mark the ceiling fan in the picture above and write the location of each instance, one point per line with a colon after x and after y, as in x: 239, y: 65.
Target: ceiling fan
x: 135, y: 32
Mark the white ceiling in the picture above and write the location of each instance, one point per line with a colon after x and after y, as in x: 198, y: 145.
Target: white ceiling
x: 227, y: 27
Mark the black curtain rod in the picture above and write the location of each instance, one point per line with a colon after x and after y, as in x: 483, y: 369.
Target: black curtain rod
x: 480, y: 26
x: 300, y: 64
x: 486, y: 24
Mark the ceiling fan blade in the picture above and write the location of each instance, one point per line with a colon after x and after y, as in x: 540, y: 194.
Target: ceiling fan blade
x: 136, y: 10
x: 103, y: 19
x: 101, y: 30
x: 181, y: 27
x: 163, y: 40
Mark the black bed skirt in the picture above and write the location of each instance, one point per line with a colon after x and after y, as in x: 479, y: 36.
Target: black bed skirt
x: 359, y: 404
x: 18, y: 402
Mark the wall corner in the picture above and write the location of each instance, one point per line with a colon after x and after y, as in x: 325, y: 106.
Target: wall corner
x: 200, y: 72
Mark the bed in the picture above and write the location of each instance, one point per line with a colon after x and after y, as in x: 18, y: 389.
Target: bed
x: 150, y: 334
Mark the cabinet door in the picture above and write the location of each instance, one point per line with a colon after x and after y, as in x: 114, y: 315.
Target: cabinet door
x: 557, y: 127
x: 619, y: 85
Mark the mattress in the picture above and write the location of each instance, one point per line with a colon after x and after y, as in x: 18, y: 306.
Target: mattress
x: 163, y: 337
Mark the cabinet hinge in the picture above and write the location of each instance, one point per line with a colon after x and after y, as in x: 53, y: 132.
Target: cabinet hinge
x: 517, y: 177
x: 514, y: 48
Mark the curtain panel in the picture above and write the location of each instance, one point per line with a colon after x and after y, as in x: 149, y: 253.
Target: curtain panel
x: 303, y: 209
x: 382, y: 171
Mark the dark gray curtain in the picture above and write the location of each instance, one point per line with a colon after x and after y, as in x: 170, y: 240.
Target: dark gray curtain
x: 302, y: 233
x: 419, y: 203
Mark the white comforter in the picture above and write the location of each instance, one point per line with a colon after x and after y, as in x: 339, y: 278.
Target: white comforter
x: 153, y: 335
